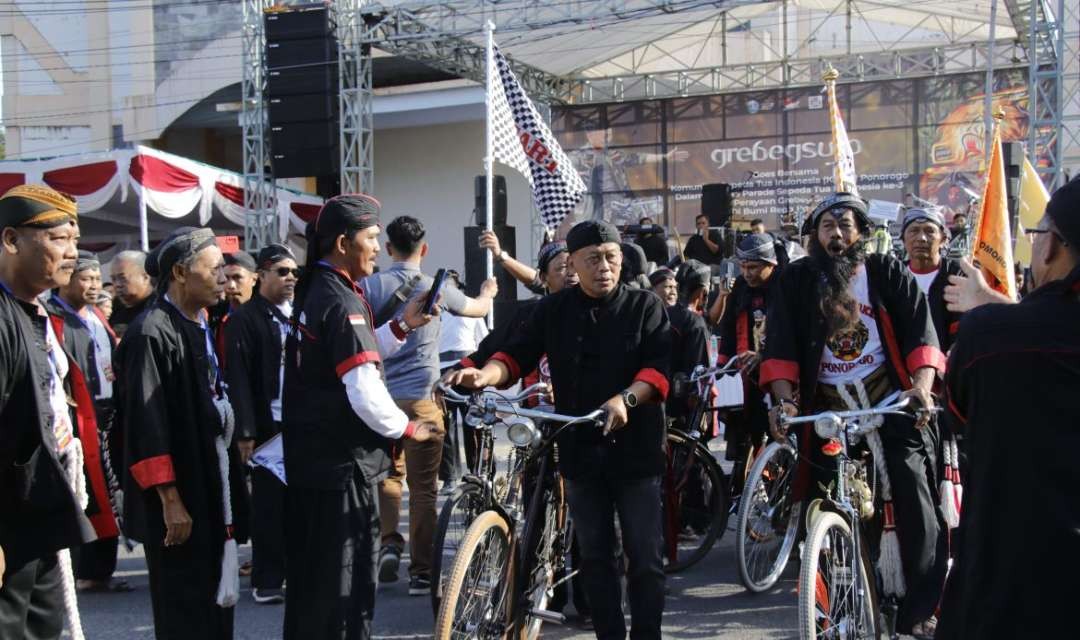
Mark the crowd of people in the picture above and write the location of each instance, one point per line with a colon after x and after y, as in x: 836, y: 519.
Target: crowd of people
x: 133, y: 414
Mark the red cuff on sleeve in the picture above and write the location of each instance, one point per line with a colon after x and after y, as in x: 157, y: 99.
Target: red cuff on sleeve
x: 395, y: 328
x: 954, y: 327
x: 468, y: 363
x: 350, y: 363
x: 656, y: 379
x: 511, y: 364
x: 722, y: 359
x: 153, y: 471
x: 410, y: 429
x: 925, y: 356
x: 773, y: 369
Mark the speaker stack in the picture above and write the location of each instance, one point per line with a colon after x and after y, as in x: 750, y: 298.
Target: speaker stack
x: 476, y: 258
x: 717, y: 202
x: 1012, y: 156
x: 302, y: 91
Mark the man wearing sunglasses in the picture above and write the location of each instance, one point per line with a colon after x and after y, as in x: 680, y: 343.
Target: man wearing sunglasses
x: 254, y: 348
x: 1012, y: 379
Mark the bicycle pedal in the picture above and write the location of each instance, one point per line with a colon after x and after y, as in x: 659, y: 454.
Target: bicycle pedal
x: 548, y: 616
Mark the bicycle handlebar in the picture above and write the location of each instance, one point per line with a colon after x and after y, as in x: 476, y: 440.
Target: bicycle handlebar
x: 525, y: 393
x: 700, y: 372
x: 505, y: 404
x: 888, y: 406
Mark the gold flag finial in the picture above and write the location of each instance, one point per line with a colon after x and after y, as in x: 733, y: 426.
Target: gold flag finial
x: 999, y: 113
x: 831, y: 74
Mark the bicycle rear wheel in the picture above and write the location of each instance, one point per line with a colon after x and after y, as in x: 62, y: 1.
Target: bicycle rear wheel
x: 477, y: 599
x: 695, y: 502
x: 456, y: 515
x: 834, y: 600
x: 768, y: 519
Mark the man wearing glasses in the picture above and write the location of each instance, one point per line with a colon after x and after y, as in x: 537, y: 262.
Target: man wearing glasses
x: 608, y: 346
x: 1012, y: 379
x: 255, y: 342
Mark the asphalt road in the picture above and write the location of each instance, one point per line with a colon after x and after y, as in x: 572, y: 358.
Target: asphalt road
x: 705, y: 601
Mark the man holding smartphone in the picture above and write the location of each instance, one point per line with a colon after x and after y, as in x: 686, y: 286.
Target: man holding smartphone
x: 410, y: 375
x: 704, y: 246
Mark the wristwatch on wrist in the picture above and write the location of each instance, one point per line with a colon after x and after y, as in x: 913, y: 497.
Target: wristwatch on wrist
x: 402, y: 325
x: 629, y: 398
x: 502, y: 256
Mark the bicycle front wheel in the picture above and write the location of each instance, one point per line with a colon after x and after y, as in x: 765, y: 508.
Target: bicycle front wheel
x: 477, y: 599
x: 836, y: 596
x: 768, y: 519
x: 454, y: 519
x: 695, y: 503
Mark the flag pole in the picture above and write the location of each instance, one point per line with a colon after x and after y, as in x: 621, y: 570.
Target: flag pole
x: 489, y: 155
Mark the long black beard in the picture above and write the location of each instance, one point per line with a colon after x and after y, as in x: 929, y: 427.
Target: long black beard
x: 840, y: 309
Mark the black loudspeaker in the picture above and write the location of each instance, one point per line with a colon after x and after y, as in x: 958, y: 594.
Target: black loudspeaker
x: 498, y: 215
x: 299, y: 22
x: 323, y: 161
x: 716, y: 202
x: 301, y: 91
x: 1012, y: 156
x: 303, y: 108
x: 475, y: 263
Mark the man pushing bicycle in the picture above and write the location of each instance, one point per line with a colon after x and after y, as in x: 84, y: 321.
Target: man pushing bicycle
x: 846, y: 329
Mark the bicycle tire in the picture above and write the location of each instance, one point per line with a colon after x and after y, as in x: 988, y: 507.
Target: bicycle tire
x: 829, y: 538
x: 752, y: 535
x: 689, y: 461
x: 458, y: 511
x: 490, y: 586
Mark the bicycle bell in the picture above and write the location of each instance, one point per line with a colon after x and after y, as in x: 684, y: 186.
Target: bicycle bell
x: 522, y: 431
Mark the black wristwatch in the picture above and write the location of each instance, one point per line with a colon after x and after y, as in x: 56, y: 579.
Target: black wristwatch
x: 629, y: 398
x: 402, y: 325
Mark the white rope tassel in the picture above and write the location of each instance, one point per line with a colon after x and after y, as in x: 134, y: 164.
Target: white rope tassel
x: 229, y: 585
x: 947, y: 490
x: 890, y: 564
x: 72, y: 458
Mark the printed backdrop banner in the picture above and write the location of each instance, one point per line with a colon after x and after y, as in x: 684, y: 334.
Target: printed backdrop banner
x: 923, y: 136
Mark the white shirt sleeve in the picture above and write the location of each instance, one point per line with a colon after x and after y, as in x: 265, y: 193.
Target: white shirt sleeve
x: 371, y: 401
x: 388, y: 342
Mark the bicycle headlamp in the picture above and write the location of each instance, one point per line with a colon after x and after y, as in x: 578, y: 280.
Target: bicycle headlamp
x: 522, y: 431
x: 828, y: 426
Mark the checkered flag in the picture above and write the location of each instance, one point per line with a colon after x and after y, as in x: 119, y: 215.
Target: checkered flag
x: 522, y: 140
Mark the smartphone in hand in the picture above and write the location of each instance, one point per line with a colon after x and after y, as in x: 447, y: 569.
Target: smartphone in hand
x: 433, y: 293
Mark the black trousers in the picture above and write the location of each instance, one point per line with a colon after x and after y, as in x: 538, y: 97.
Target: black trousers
x: 267, y: 530
x: 183, y: 589
x: 32, y: 601
x: 923, y: 544
x: 593, y: 505
x: 334, y: 535
x: 96, y: 560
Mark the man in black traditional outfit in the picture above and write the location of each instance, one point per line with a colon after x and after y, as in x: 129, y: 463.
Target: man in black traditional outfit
x: 847, y: 327
x: 1012, y: 379
x: 41, y: 514
x: 608, y: 346
x: 134, y: 289
x: 742, y: 336
x: 254, y: 362
x: 689, y: 333
x: 89, y: 339
x: 177, y: 423
x: 926, y: 239
x: 339, y: 425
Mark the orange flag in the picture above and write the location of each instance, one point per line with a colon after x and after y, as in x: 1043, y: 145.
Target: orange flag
x: 992, y: 248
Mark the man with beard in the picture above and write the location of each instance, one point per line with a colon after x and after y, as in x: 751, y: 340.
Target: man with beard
x: 925, y: 239
x: 742, y: 336
x: 41, y: 514
x: 89, y: 339
x: 134, y: 289
x: 848, y: 328
x: 177, y: 425
x: 339, y: 425
x: 1013, y: 372
x: 254, y: 340
x: 608, y: 347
